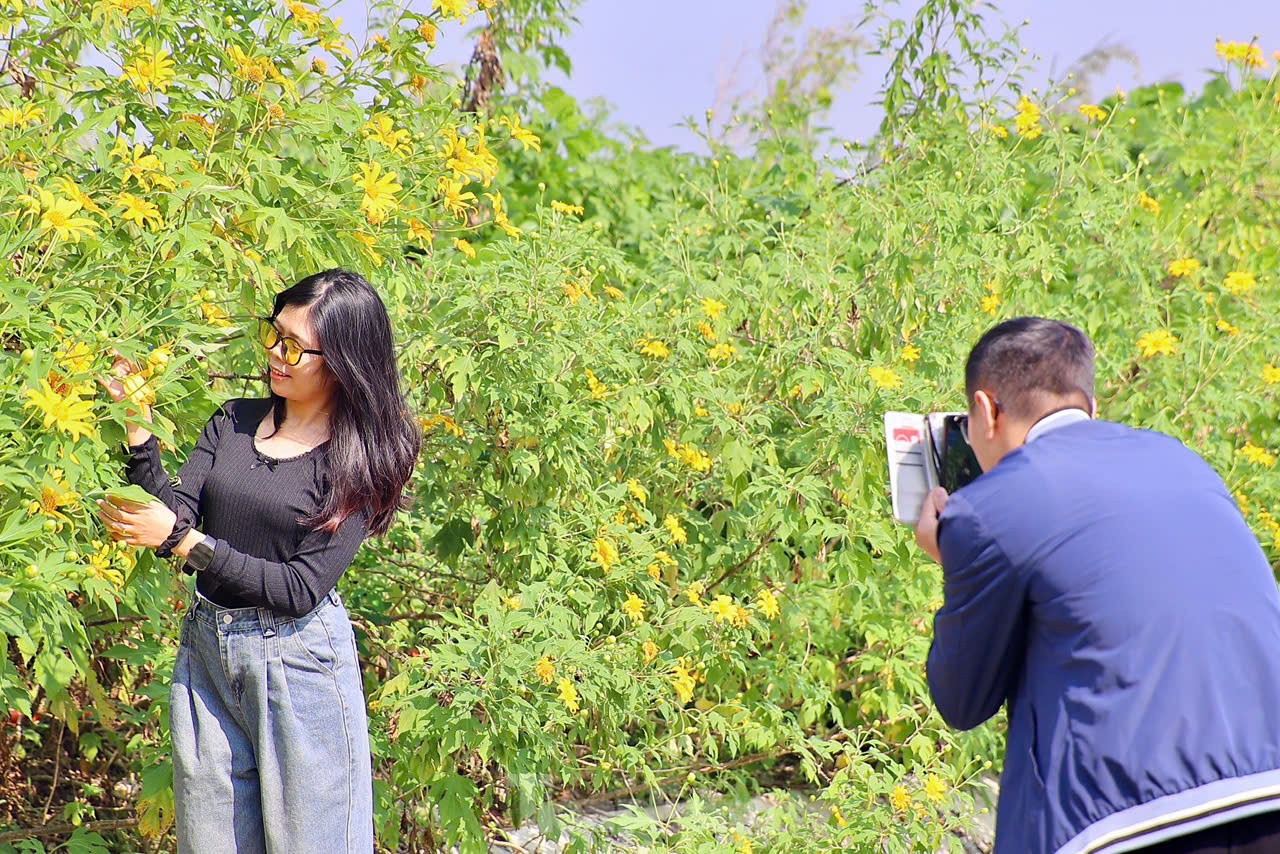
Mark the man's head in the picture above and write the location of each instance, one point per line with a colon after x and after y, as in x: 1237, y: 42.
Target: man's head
x: 1018, y: 372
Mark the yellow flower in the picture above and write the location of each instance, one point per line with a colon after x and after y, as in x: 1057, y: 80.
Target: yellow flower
x: 568, y: 695
x: 545, y: 670
x: 1248, y: 55
x: 59, y: 216
x: 841, y: 821
x: 1270, y: 374
x: 767, y: 602
x: 604, y: 552
x: 1148, y: 204
x: 464, y: 247
x: 75, y: 357
x: 654, y: 571
x: 522, y: 135
x: 457, y: 9
x: 598, y: 389
x: 910, y: 353
x: 419, y: 231
x: 1093, y: 113
x: 54, y: 497
x: 653, y: 348
x: 1224, y: 326
x: 1239, y: 282
x: 336, y: 44
x: 900, y: 798
x: 637, y: 491
x: 998, y: 131
x: 382, y: 130
x: 1183, y: 267
x: 453, y: 197
x: 512, y: 602
x: 572, y: 210
x: 380, y: 190
x: 1027, y: 121
x: 367, y: 245
x: 689, y: 455
x: 934, y: 788
x: 1256, y: 455
x: 712, y: 308
x: 683, y: 681
x: 319, y: 66
x: 694, y: 592
x: 146, y: 169
x: 215, y: 315
x: 27, y: 114
x: 883, y: 377
x: 307, y: 18
x: 650, y: 650
x: 140, y: 211
x: 722, y: 352
x: 633, y: 608
x: 149, y: 69
x: 707, y: 331
x: 612, y: 292
x: 500, y: 215
x: 722, y: 608
x: 990, y: 303
x: 252, y: 69
x: 675, y: 529
x: 477, y: 164
x: 427, y: 32
x: 431, y: 422
x: 744, y: 843
x: 1158, y: 343
x: 68, y: 413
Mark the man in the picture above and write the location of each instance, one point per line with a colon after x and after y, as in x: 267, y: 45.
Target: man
x: 1101, y: 581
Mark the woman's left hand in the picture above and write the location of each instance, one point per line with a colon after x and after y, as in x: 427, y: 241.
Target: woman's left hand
x: 136, y: 524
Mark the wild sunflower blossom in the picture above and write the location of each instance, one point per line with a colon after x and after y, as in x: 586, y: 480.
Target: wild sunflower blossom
x: 139, y: 211
x: 383, y: 130
x: 1270, y: 374
x: 650, y: 651
x: 454, y: 198
x: 1093, y: 113
x: 990, y: 303
x: 633, y: 608
x: 910, y: 353
x: 1246, y: 53
x: 934, y: 788
x: 1239, y: 282
x: 465, y: 247
x: 722, y: 352
x: 149, y: 69
x: 1161, y: 342
x: 678, y: 534
x: 1257, y: 455
x: 653, y: 348
x: 380, y: 188
x: 66, y: 413
x: 683, y: 681
x: 59, y: 217
x: 522, y: 135
x: 1027, y: 121
x: 900, y: 798
x: 568, y: 695
x: 1148, y: 204
x: 767, y: 602
x: 604, y: 553
x: 567, y: 209
x: 544, y: 670
x: 885, y: 378
x: 21, y: 116
x: 1183, y: 267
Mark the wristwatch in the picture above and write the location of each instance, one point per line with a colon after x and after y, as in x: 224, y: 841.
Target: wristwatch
x: 201, y: 553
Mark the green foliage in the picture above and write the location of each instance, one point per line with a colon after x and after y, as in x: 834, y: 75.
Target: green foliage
x: 650, y: 550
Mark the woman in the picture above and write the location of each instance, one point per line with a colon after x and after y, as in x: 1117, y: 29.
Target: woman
x: 267, y: 716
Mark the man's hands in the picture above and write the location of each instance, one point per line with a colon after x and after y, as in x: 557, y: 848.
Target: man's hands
x: 138, y: 524
x: 927, y: 526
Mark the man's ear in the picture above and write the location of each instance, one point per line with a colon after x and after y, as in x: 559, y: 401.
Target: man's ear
x: 984, y: 403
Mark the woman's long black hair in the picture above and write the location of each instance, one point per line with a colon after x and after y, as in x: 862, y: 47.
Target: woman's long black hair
x: 373, y: 438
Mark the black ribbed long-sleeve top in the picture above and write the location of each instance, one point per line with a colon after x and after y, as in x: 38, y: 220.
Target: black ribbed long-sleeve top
x: 251, y: 503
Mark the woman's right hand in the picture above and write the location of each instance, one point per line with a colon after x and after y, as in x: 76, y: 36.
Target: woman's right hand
x: 120, y: 387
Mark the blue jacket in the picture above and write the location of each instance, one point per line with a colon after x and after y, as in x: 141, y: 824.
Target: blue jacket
x: 1102, y: 581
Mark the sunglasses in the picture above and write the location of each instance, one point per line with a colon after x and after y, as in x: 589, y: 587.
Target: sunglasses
x: 269, y: 336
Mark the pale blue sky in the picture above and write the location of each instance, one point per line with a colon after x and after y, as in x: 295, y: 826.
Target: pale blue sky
x: 659, y: 60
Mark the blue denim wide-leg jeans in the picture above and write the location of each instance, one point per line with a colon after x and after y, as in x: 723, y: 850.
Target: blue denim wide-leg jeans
x: 270, y: 738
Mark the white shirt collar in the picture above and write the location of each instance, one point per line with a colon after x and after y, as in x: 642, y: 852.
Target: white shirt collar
x: 1054, y: 420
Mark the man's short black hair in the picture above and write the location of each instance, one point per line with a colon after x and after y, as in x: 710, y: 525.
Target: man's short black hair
x: 1031, y: 363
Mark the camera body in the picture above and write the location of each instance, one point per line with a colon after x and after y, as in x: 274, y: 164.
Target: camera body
x: 925, y: 451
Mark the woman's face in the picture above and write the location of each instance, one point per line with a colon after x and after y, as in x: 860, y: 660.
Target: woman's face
x: 309, y: 380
